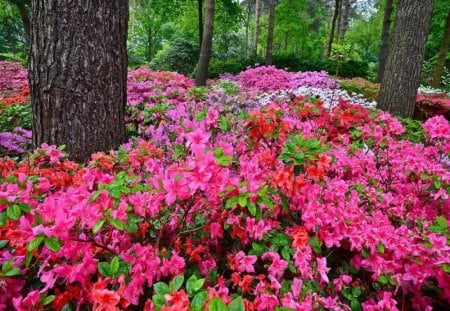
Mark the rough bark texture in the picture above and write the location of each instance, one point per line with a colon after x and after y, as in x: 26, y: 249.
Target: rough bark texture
x: 200, y: 21
x: 77, y: 73
x: 205, y: 52
x: 345, y: 19
x: 443, y: 51
x: 269, y: 49
x: 256, y: 31
x: 404, y: 63
x: 385, y: 35
x: 337, y: 4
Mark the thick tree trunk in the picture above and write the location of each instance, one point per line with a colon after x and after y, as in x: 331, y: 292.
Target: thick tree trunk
x: 269, y: 49
x: 256, y: 31
x: 385, y: 35
x: 200, y: 21
x: 443, y: 51
x: 345, y: 18
x: 78, y: 74
x: 404, y: 63
x: 337, y: 4
x: 205, y: 52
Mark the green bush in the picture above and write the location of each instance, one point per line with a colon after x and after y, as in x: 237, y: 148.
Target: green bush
x: 14, y: 116
x: 180, y: 56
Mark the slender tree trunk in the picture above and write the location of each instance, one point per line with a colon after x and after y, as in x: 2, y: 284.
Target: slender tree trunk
x: 25, y: 17
x: 345, y: 18
x: 200, y: 21
x: 269, y: 48
x: 205, y: 52
x: 385, y: 35
x: 247, y: 25
x: 133, y: 16
x: 443, y: 51
x: 256, y: 31
x: 333, y: 26
x: 404, y: 63
x: 78, y: 74
x: 150, y: 43
x: 337, y: 31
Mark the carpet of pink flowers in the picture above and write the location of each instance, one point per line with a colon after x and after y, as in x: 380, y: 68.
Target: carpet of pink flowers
x: 225, y: 204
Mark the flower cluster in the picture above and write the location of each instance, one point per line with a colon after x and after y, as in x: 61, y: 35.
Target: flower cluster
x: 304, y: 203
x: 13, y: 83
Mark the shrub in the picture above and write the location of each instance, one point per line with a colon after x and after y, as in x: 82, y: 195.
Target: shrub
x: 180, y: 56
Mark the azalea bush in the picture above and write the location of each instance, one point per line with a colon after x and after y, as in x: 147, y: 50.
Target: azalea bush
x: 226, y: 200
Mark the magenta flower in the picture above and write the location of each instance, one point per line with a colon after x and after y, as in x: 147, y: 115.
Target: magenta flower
x: 245, y: 263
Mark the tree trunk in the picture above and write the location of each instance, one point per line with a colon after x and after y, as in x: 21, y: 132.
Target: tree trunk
x: 24, y: 16
x: 404, y: 63
x: 256, y: 31
x: 345, y: 18
x: 133, y: 16
x: 269, y: 49
x: 333, y: 26
x: 385, y: 35
x: 200, y: 21
x: 337, y: 31
x: 78, y: 74
x: 247, y: 25
x: 443, y: 51
x: 205, y: 52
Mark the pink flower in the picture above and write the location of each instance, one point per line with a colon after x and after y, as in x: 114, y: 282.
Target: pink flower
x: 387, y: 303
x: 267, y: 302
x: 322, y: 268
x: 197, y: 140
x: 245, y: 263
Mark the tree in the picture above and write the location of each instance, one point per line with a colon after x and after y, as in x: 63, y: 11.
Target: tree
x: 442, y: 55
x: 256, y: 30
x: 78, y: 74
x: 404, y: 63
x: 269, y: 50
x: 385, y: 35
x: 205, y: 51
x: 337, y: 4
x: 344, y: 19
x: 23, y: 7
x: 200, y: 21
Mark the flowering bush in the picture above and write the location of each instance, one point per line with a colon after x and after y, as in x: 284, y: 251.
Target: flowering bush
x: 13, y: 83
x: 265, y: 78
x: 224, y: 204
x: 315, y: 79
x: 430, y: 105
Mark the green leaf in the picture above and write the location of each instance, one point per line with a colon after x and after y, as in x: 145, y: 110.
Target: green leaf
x: 199, y: 300
x: 441, y: 221
x: 124, y: 268
x: 161, y: 288
x: 236, y: 305
x: 14, y: 212
x: 176, y: 283
x: 356, y: 292
x: 103, y: 268
x: 28, y: 259
x: 48, y: 300
x: 52, y: 244
x: 35, y: 243
x: 251, y: 208
x: 98, y: 225
x: 383, y: 279
x: 131, y: 226
x: 3, y: 219
x: 446, y: 268
x: 114, y: 265
x: 242, y: 201
x: 380, y: 248
x: 24, y: 207
x: 190, y: 284
x: 159, y: 300
x: 355, y: 305
x: 198, y: 285
x: 3, y: 243
x: 117, y: 223
x: 216, y: 304
x: 13, y: 272
x: 231, y: 202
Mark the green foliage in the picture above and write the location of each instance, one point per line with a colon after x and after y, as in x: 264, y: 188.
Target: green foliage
x: 13, y: 43
x: 413, y: 130
x: 181, y: 56
x: 14, y: 116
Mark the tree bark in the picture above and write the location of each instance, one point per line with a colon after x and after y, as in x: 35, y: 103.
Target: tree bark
x: 247, y: 25
x: 269, y: 49
x: 404, y: 63
x: 385, y: 36
x: 133, y: 16
x: 78, y: 74
x: 345, y: 19
x: 256, y: 31
x: 442, y: 55
x: 206, y: 49
x: 200, y: 21
x: 337, y: 4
